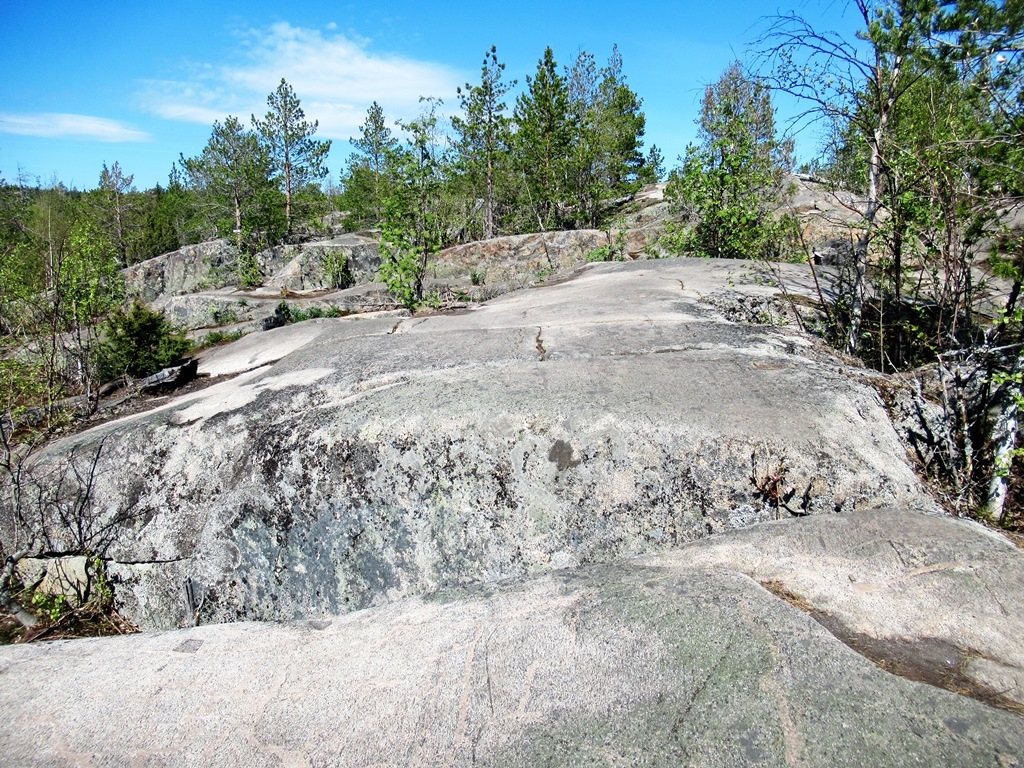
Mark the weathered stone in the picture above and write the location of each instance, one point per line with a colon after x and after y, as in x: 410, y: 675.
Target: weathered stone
x: 897, y: 578
x: 209, y: 266
x: 189, y: 269
x: 519, y: 259
x: 303, y: 267
x: 31, y: 570
x: 354, y: 461
x: 168, y: 378
x: 66, y: 577
x: 206, y: 309
x: 683, y: 661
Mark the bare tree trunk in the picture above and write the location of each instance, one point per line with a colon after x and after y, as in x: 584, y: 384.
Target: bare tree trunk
x: 1004, y: 434
x: 26, y: 619
x: 489, y: 207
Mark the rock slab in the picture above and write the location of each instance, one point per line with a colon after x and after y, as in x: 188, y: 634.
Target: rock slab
x: 354, y: 461
x: 683, y: 661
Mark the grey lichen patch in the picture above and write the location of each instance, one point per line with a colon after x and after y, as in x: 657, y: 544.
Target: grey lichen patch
x: 749, y: 308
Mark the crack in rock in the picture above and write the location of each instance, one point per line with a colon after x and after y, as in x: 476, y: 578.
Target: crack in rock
x: 540, y: 346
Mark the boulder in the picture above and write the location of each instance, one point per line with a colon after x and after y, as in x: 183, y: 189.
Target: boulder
x: 519, y: 259
x: 682, y: 660
x: 354, y: 461
x: 308, y: 266
x: 66, y: 577
x: 207, y: 309
x: 209, y: 266
x: 189, y: 269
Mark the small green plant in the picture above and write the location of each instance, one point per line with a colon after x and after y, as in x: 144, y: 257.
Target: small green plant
x: 476, y: 278
x: 296, y: 315
x: 223, y: 315
x: 613, y: 250
x: 53, y: 606
x: 249, y: 273
x: 102, y: 592
x: 220, y: 337
x: 337, y: 273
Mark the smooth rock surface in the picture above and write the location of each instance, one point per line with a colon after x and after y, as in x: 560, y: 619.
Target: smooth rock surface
x: 891, y: 576
x: 683, y: 662
x: 354, y: 461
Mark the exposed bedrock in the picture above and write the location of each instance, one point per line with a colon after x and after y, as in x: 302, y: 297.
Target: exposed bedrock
x: 353, y: 461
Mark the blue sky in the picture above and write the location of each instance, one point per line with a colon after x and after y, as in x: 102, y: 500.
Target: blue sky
x: 139, y: 83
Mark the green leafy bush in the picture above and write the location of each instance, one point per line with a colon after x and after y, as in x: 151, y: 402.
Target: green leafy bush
x: 337, y: 273
x: 250, y: 274
x: 295, y: 315
x: 139, y: 342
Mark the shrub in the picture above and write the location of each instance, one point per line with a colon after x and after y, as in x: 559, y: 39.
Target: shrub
x: 337, y: 273
x: 139, y: 342
x: 221, y: 337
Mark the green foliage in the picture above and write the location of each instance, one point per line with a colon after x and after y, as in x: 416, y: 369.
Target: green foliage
x: 605, y: 159
x: 337, y: 273
x: 214, y: 338
x: 369, y: 176
x: 139, y: 342
x: 412, y: 228
x: 653, y: 169
x: 101, y: 591
x: 164, y: 227
x: 403, y: 262
x: 23, y: 385
x: 295, y: 155
x: 57, y: 281
x: 316, y: 311
x: 613, y: 250
x: 733, y: 179
x: 484, y: 133
x: 223, y: 315
x: 232, y: 183
x: 288, y: 314
x: 542, y: 140
x: 117, y: 210
x: 248, y: 270
x: 53, y: 606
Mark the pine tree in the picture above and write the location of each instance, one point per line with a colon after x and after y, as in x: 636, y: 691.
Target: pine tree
x: 288, y: 138
x: 413, y: 224
x: 368, y: 179
x: 620, y: 127
x: 606, y: 158
x: 542, y: 141
x: 232, y: 177
x: 484, y: 135
x: 733, y: 178
x: 115, y: 189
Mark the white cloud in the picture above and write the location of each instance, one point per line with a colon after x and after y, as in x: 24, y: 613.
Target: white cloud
x: 335, y: 76
x: 58, y: 125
